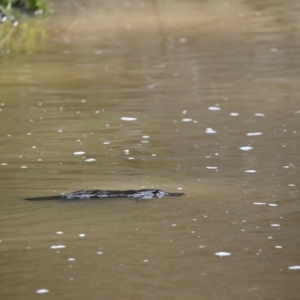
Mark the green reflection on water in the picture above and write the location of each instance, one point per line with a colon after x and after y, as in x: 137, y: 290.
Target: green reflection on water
x: 23, y: 38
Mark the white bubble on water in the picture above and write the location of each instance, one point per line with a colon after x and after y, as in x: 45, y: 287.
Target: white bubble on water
x: 250, y: 171
x: 234, y: 114
x: 214, y: 108
x: 71, y: 259
x: 90, y: 160
x: 222, y: 253
x: 259, y: 115
x: 187, y: 120
x: 128, y: 119
x: 211, y: 167
x: 272, y: 204
x: 79, y: 153
x: 275, y: 225
x: 58, y: 247
x: 81, y: 235
x: 42, y: 291
x: 246, y: 148
x: 259, y: 203
x: 254, y: 133
x: 294, y: 268
x: 210, y: 131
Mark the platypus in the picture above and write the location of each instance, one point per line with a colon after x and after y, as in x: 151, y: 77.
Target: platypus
x: 103, y: 194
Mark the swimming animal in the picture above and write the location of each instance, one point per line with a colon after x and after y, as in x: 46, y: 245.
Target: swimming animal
x: 104, y: 194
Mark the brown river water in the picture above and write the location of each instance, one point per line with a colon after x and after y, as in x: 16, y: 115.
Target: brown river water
x: 200, y: 97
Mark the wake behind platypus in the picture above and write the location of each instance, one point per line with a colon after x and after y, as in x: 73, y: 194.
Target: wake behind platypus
x: 104, y: 194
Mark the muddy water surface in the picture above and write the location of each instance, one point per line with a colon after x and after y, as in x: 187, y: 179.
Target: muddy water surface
x: 200, y: 97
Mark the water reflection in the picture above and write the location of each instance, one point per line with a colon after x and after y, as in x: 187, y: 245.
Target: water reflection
x: 204, y: 99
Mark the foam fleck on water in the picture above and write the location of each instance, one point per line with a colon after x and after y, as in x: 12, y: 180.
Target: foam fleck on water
x: 246, y: 148
x: 58, y: 247
x: 128, y: 119
x: 222, y: 253
x: 214, y: 108
x: 90, y: 159
x: 254, y: 133
x: 294, y: 268
x: 210, y: 131
x: 42, y: 291
x: 79, y: 153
